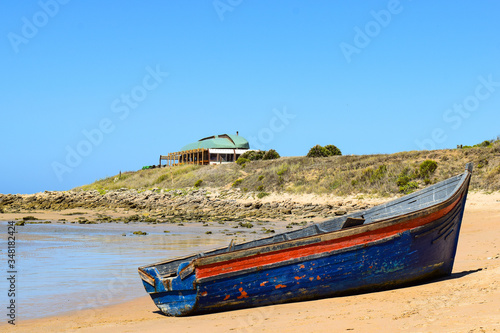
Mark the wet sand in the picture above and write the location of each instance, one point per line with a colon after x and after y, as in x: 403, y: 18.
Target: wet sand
x: 467, y: 301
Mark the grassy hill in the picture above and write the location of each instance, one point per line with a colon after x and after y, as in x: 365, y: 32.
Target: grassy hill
x: 340, y: 175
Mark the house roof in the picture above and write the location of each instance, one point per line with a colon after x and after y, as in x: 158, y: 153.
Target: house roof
x: 219, y: 141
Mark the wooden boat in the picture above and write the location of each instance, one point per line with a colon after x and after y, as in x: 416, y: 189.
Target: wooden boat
x: 402, y: 242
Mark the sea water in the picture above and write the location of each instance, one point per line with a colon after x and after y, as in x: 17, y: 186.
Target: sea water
x: 68, y: 267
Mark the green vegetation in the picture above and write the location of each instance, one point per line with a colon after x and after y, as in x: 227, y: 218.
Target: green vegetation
x: 298, y: 224
x: 245, y: 225
x: 237, y: 182
x: 268, y: 231
x: 29, y: 218
x: 242, y: 161
x: 340, y: 175
x: 261, y: 195
x: 427, y: 168
x: 282, y: 169
x: 271, y: 154
x: 333, y: 150
x: 319, y: 151
x: 198, y: 183
x: 140, y: 233
x: 253, y: 155
x: 484, y: 144
x: 248, y: 156
x: 406, y: 177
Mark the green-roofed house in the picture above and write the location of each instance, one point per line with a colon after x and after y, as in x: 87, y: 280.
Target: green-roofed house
x: 216, y: 149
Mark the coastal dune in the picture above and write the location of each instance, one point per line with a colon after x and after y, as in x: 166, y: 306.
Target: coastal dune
x: 467, y: 301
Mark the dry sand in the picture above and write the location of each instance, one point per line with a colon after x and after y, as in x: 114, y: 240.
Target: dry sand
x: 467, y: 301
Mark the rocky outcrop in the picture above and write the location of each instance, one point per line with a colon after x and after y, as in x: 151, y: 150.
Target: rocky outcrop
x: 189, y: 204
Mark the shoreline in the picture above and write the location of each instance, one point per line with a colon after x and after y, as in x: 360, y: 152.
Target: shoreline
x: 191, y: 204
x: 468, y: 300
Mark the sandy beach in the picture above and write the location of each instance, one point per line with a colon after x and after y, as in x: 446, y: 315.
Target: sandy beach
x: 467, y: 301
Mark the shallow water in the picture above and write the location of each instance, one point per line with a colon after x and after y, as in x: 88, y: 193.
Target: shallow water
x: 67, y: 267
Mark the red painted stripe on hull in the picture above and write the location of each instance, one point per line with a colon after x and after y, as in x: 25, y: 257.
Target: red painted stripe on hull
x: 327, y: 246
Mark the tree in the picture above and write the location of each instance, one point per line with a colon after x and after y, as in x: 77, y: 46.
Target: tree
x: 333, y: 150
x: 318, y: 151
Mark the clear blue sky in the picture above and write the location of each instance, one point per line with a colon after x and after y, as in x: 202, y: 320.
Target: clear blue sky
x: 85, y: 89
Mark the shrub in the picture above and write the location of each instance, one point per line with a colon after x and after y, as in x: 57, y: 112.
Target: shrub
x: 29, y: 218
x: 427, y: 168
x: 242, y: 161
x: 161, y: 178
x: 485, y: 143
x: 198, y: 183
x: 282, y: 169
x: 259, y: 155
x: 245, y: 225
x: 403, y: 180
x: 253, y: 155
x: 271, y: 154
x: 333, y: 150
x: 237, y: 182
x: 260, y: 188
x: 261, y: 177
x: 262, y: 194
x: 379, y: 173
x: 408, y: 188
x: 318, y: 151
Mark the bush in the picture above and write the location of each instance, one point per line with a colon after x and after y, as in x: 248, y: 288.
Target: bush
x: 318, y: 151
x: 245, y: 225
x: 379, y: 173
x: 262, y: 194
x: 408, y: 188
x: 427, y: 168
x: 282, y: 169
x: 333, y: 150
x: 242, y: 161
x: 237, y: 182
x: 253, y: 155
x: 161, y: 178
x: 198, y: 183
x: 485, y: 143
x: 403, y: 180
x: 271, y: 154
